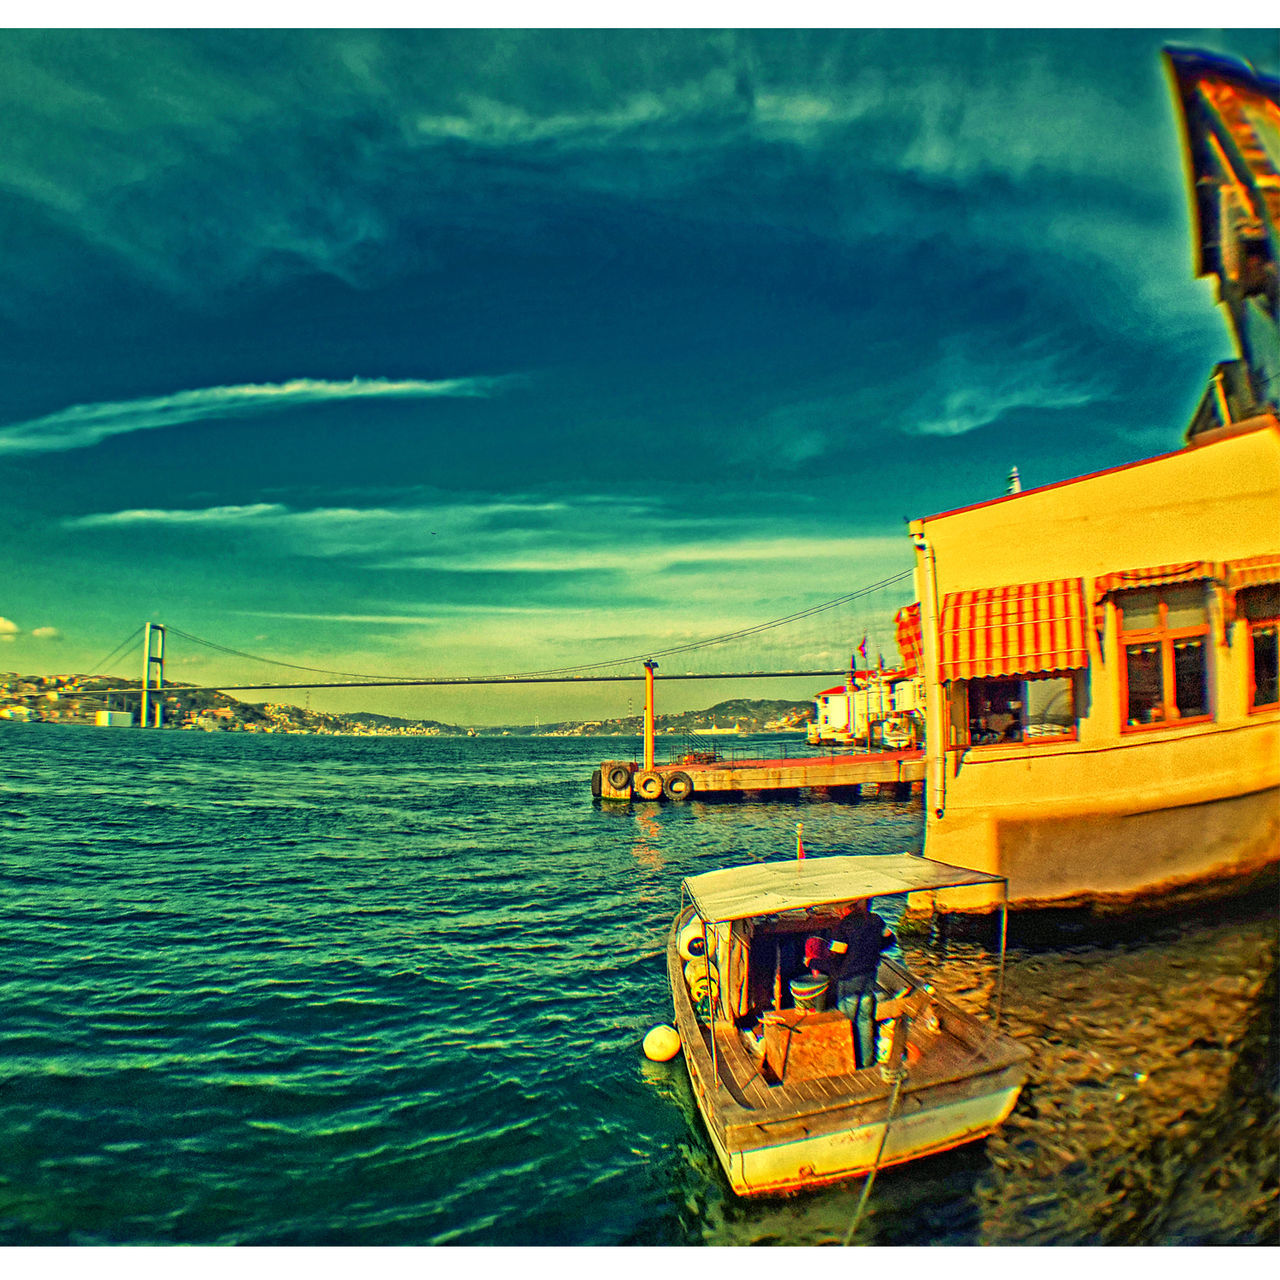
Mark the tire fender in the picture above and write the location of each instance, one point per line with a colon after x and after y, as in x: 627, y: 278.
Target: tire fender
x: 647, y: 785
x: 677, y: 786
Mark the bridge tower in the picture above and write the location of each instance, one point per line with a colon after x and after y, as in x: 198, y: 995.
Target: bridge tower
x: 152, y: 656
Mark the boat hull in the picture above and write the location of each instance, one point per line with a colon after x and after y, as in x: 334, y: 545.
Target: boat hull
x: 814, y: 1160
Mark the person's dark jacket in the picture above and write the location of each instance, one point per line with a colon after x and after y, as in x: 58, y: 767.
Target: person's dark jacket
x: 864, y: 938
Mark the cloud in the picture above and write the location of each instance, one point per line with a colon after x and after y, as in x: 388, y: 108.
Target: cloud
x: 84, y: 425
x: 515, y: 534
x: 8, y: 630
x: 239, y: 169
x: 46, y: 633
x: 652, y: 555
x: 207, y: 516
x: 972, y: 389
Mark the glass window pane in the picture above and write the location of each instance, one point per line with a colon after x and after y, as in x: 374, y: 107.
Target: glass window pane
x: 1265, y: 673
x: 1259, y: 602
x: 995, y: 711
x: 1187, y: 606
x: 1146, y: 684
x: 1139, y: 610
x: 1190, y: 679
x: 1050, y: 706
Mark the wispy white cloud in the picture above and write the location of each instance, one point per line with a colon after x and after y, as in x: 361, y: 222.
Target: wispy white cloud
x: 650, y: 555
x: 972, y: 390
x: 84, y: 425
x: 158, y: 516
x: 46, y: 633
x: 8, y: 630
x: 429, y: 614
x: 514, y: 535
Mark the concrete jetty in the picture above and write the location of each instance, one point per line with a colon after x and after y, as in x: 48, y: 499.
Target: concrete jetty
x: 696, y: 777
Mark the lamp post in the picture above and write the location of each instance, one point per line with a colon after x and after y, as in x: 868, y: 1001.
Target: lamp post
x: 649, y: 668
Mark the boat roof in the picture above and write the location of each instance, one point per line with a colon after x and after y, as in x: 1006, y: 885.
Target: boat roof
x: 734, y: 893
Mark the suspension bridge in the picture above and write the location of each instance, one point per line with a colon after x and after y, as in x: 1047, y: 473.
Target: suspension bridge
x: 867, y: 610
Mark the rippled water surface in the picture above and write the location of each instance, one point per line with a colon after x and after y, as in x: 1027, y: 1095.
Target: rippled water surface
x: 302, y: 990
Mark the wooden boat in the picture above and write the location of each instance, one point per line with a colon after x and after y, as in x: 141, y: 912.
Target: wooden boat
x: 784, y: 1104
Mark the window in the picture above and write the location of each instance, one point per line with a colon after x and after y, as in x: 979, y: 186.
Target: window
x: 1021, y: 709
x: 1260, y: 607
x: 1164, y: 637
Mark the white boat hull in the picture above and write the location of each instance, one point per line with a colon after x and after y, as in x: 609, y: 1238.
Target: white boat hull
x: 810, y: 1161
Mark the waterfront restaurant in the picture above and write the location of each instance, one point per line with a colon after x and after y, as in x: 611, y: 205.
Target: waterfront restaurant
x: 1099, y: 656
x: 1100, y: 666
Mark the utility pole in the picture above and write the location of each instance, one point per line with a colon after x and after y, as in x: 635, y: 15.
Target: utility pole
x: 152, y: 656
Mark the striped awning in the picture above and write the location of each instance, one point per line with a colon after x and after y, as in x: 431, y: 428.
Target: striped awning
x: 910, y: 640
x: 1157, y: 576
x: 1007, y: 631
x: 1256, y: 571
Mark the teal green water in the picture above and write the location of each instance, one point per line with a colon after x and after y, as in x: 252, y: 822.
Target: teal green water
x: 302, y: 990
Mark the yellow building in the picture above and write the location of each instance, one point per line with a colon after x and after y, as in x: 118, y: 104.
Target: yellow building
x: 1100, y: 655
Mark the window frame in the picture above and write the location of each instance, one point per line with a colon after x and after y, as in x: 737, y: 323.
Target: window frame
x: 1253, y: 625
x: 1165, y: 638
x: 1025, y: 740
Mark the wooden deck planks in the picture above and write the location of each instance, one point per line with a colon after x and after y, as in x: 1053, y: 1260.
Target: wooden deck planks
x: 944, y: 1057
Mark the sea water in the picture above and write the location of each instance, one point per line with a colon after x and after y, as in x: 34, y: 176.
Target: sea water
x: 340, y: 990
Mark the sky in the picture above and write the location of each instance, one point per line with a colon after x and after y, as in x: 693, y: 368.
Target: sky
x: 468, y: 352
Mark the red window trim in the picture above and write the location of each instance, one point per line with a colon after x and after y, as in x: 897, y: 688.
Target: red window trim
x: 1166, y: 638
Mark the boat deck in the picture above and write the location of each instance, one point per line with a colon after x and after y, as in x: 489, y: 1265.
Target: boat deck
x: 943, y: 1056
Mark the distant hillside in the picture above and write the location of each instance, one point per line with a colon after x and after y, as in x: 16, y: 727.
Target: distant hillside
x: 77, y: 699
x: 748, y: 715
x: 372, y: 720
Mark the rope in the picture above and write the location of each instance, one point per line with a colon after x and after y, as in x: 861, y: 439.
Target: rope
x: 898, y: 1075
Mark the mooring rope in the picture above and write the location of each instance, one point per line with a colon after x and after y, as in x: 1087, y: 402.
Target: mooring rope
x: 898, y: 1075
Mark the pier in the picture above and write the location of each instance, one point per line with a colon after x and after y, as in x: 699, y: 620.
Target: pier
x: 693, y: 776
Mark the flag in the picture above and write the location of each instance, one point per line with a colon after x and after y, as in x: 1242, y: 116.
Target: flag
x: 799, y: 842
x: 862, y: 649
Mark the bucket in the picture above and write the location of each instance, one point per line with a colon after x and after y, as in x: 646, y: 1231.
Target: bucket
x: 810, y: 993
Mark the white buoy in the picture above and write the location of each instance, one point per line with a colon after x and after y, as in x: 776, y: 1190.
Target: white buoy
x: 662, y: 1044
x: 691, y: 942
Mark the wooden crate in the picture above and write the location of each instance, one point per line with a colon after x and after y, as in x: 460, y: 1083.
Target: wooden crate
x: 800, y: 1045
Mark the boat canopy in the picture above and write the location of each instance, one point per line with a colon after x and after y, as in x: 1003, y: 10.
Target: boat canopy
x: 735, y: 893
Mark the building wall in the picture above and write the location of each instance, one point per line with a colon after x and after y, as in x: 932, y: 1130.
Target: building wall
x: 1113, y: 812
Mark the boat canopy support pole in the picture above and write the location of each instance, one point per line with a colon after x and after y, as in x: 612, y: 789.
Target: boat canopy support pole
x: 1004, y: 940
x: 711, y: 1008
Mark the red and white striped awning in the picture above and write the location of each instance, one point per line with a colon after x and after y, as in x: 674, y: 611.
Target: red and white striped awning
x: 1256, y: 571
x: 910, y: 640
x: 1017, y: 630
x: 1157, y: 576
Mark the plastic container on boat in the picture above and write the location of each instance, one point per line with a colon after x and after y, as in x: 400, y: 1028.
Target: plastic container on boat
x: 809, y: 992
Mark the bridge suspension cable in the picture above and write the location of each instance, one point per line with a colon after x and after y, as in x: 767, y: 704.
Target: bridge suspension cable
x: 120, y: 648
x: 578, y: 671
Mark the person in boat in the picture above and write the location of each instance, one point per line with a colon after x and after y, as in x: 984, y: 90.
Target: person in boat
x: 851, y: 959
